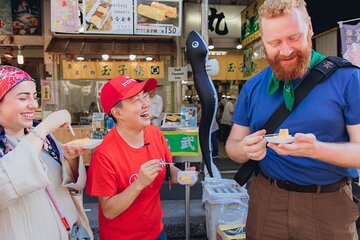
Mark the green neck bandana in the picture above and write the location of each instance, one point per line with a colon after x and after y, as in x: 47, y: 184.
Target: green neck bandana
x: 288, y: 90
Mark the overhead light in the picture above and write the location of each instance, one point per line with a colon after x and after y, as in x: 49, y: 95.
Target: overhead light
x: 80, y: 58
x: 132, y: 57
x: 20, y: 57
x: 148, y: 58
x: 9, y: 53
x: 217, y: 53
x: 211, y: 45
x: 105, y: 56
x: 238, y: 44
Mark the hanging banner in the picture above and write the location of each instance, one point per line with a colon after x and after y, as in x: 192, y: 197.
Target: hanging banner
x: 224, y: 20
x: 6, y: 26
x: 162, y: 17
x: 26, y: 17
x: 350, y: 42
x: 250, y: 23
x: 65, y: 16
x: 108, y: 16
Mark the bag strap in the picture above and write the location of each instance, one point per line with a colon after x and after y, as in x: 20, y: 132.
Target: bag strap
x: 319, y: 73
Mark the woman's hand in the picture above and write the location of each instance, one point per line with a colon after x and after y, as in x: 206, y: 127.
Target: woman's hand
x: 54, y: 121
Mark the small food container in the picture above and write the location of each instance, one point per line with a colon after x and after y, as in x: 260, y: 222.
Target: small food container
x: 187, y: 177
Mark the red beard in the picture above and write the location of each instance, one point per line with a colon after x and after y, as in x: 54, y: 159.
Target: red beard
x: 285, y: 71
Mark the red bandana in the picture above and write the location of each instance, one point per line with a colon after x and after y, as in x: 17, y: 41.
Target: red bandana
x: 10, y: 77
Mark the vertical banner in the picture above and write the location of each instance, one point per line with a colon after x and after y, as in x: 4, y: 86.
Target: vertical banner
x: 250, y: 23
x: 65, y: 16
x: 350, y: 42
x: 26, y: 15
x: 6, y: 27
x: 161, y: 17
x: 108, y: 16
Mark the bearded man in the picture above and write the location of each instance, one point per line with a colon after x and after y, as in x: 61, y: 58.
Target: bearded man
x: 303, y: 190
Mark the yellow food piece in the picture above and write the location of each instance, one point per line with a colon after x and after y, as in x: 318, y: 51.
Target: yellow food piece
x: 185, y: 178
x: 283, y: 133
x: 170, y: 12
x: 151, y: 12
x: 173, y: 118
x: 83, y: 141
x: 102, y: 8
x: 95, y: 20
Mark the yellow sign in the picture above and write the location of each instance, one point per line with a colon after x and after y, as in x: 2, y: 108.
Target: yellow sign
x: 250, y: 28
x: 231, y: 67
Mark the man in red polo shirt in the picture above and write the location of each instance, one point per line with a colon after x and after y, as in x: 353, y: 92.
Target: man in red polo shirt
x: 128, y: 168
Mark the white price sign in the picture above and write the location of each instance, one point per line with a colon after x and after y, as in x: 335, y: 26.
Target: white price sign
x: 177, y: 74
x: 162, y: 17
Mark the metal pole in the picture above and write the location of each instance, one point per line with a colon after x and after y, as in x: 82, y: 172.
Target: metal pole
x: 187, y: 207
x: 205, y: 20
x: 178, y: 98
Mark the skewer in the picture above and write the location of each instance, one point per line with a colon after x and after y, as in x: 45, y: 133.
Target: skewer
x: 71, y: 130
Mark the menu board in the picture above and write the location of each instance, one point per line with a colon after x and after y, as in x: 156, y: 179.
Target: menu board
x: 161, y: 17
x: 108, y: 16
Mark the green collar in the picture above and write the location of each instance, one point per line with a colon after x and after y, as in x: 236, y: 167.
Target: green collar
x: 288, y: 89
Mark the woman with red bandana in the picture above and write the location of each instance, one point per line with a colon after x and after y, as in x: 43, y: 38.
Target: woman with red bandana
x: 37, y: 175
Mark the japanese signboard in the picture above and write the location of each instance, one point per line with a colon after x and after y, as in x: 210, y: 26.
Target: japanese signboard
x: 108, y: 16
x: 65, y: 16
x: 183, y: 143
x: 224, y: 20
x: 350, y: 42
x: 238, y: 67
x: 250, y: 23
x: 111, y: 69
x: 160, y: 17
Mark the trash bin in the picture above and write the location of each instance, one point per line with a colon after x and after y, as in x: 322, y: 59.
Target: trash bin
x: 226, y: 203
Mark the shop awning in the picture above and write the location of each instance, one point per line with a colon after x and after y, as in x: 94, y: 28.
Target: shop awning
x: 115, y: 46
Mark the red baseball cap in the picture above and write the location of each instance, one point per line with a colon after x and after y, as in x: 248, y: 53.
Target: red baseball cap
x: 10, y: 77
x: 123, y: 87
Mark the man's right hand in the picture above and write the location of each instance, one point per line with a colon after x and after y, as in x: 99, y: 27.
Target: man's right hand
x: 254, y: 145
x: 148, y: 172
